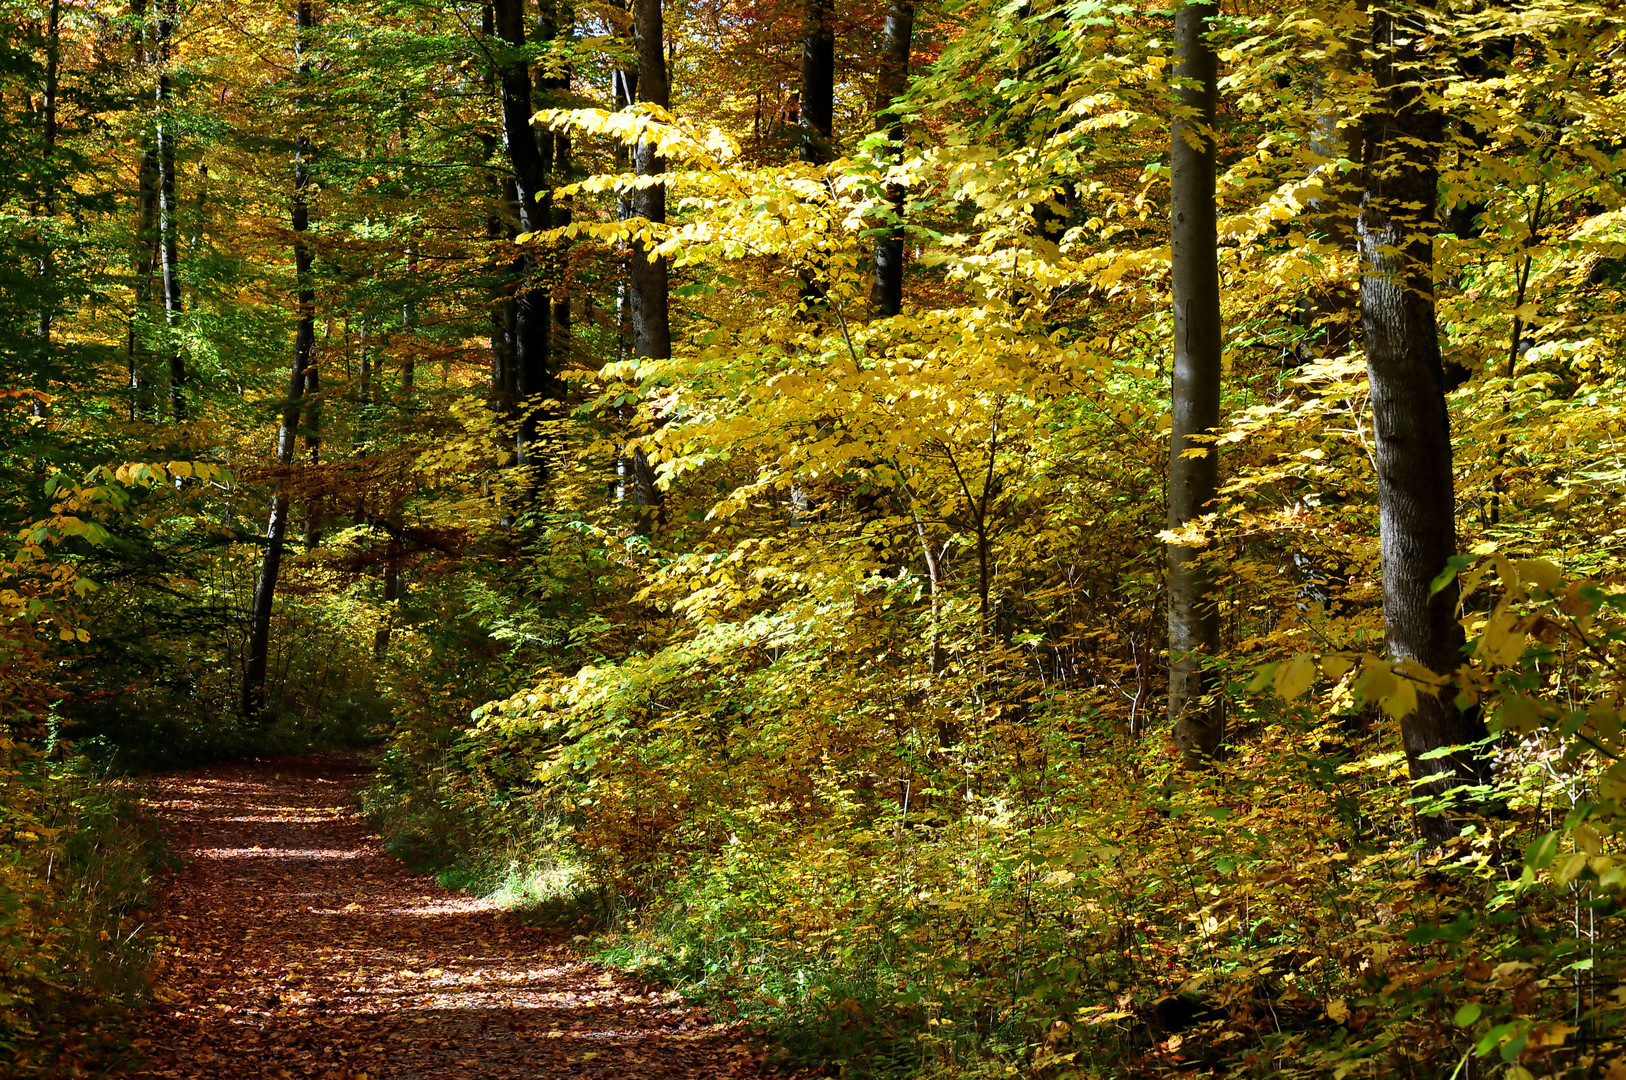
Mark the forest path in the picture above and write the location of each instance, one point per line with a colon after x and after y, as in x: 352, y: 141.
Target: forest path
x: 293, y: 946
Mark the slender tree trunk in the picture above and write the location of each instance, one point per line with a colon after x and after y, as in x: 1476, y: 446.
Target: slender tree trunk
x: 145, y: 260
x: 886, y: 296
x: 48, y: 134
x: 533, y: 314
x: 409, y: 323
x: 364, y: 369
x: 392, y: 589
x: 276, y: 530
x: 1416, y: 500
x: 647, y: 273
x: 562, y: 213
x: 313, y: 442
x: 1195, y: 396
x: 168, y: 215
x: 143, y: 256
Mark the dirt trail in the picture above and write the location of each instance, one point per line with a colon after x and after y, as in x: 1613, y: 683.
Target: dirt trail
x: 297, y: 948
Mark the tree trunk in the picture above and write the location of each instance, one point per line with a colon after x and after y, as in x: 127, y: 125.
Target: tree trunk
x: 392, y: 589
x: 533, y: 313
x: 562, y: 215
x: 313, y: 443
x: 818, y: 92
x: 1327, y: 313
x: 144, y: 256
x: 1195, y: 396
x: 276, y: 530
x: 886, y: 296
x: 168, y: 223
x: 815, y: 121
x: 145, y: 259
x: 48, y: 132
x: 1416, y: 501
x: 409, y: 323
x: 651, y: 325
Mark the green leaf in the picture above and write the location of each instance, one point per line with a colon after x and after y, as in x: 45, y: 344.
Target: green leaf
x: 1466, y: 1015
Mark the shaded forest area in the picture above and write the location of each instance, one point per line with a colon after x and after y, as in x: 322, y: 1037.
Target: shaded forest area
x: 980, y: 537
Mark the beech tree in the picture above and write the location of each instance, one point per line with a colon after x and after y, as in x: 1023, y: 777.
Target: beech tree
x: 1410, y: 421
x: 534, y: 381
x: 647, y: 272
x: 1195, y: 397
x: 886, y: 294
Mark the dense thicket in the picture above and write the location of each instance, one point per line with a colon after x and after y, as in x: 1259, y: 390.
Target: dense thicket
x: 785, y: 482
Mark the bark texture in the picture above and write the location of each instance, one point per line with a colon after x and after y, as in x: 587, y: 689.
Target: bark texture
x: 647, y: 272
x: 886, y: 295
x: 817, y: 101
x: 1416, y: 500
x: 1195, y: 395
x: 529, y: 158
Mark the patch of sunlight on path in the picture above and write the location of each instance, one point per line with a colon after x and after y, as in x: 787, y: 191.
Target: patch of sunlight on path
x: 294, y: 947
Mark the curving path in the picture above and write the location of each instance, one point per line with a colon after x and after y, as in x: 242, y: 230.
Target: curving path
x: 294, y: 947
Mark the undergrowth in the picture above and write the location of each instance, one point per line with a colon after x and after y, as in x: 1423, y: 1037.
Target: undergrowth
x: 1034, y: 893
x: 78, y: 857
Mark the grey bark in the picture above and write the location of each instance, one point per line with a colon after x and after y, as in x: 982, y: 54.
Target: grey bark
x: 144, y: 252
x: 276, y: 530
x: 168, y: 214
x: 647, y: 273
x: 534, y: 379
x: 1416, y: 501
x: 886, y: 294
x: 1195, y: 394
x: 48, y: 133
x: 818, y: 87
x: 409, y: 323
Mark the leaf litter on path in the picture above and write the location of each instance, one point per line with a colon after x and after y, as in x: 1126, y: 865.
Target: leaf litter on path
x: 294, y: 946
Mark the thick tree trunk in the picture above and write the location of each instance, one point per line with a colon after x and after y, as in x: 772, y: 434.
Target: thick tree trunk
x: 886, y: 295
x: 651, y: 321
x: 818, y: 93
x: 276, y: 530
x: 533, y: 315
x: 1416, y: 500
x: 1195, y: 396
x: 816, y: 121
x: 168, y: 216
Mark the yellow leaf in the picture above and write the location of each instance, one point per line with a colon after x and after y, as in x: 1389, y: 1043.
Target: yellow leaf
x: 1337, y: 1010
x: 1402, y: 701
x: 1565, y: 872
x: 1587, y: 839
x: 1295, y: 677
x: 1541, y: 573
x: 1336, y: 667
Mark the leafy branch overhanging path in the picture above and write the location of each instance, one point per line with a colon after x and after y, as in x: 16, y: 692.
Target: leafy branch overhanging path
x: 296, y: 947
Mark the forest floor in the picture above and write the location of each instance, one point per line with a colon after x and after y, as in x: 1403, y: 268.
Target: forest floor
x: 293, y: 945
